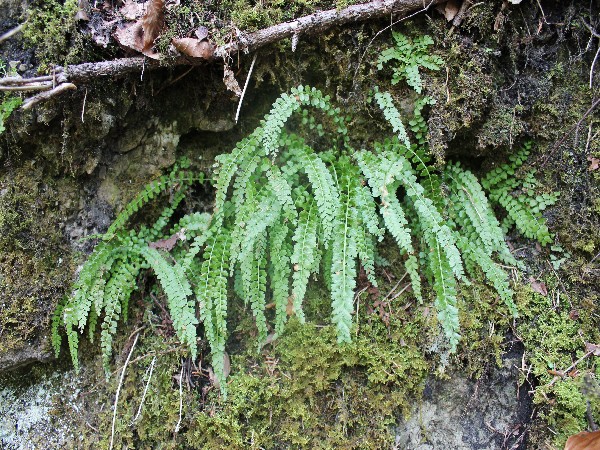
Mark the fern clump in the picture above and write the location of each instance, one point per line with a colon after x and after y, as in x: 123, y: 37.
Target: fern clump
x: 286, y: 212
x: 109, y: 276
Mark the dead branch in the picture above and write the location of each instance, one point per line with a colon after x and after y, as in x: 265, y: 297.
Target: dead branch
x: 311, y: 24
x: 321, y: 21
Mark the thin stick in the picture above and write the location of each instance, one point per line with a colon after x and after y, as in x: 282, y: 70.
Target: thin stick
x: 568, y: 369
x: 112, y: 434
x: 32, y: 101
x: 15, y: 81
x: 12, y: 32
x: 83, y: 107
x: 395, y: 287
x: 145, y: 390
x: 180, y: 398
x: 592, y: 68
x: 27, y: 87
x: 237, y: 114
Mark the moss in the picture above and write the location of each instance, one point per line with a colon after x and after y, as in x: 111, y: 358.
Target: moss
x: 34, y: 261
x: 552, y: 335
x: 50, y: 28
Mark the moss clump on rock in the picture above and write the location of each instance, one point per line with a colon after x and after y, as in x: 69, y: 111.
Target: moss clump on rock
x: 35, y: 264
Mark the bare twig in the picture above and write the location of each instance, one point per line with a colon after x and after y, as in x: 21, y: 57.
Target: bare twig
x: 314, y: 23
x: 592, y: 68
x: 321, y: 21
x: 145, y: 389
x: 12, y: 32
x: 237, y: 113
x: 568, y: 369
x: 32, y: 101
x: 180, y: 398
x: 44, y: 86
x: 112, y: 433
x: 591, y: 30
x: 395, y: 287
x: 18, y: 81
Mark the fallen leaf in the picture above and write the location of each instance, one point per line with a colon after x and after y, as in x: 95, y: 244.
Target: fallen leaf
x: 226, y: 365
x: 584, y: 441
x: 595, y: 349
x: 451, y: 10
x: 130, y: 36
x: 152, y: 23
x: 289, y: 309
x: 168, y: 243
x: 201, y: 33
x: 538, y: 286
x: 194, y: 47
x: 226, y: 370
x: 230, y: 81
x: 594, y: 163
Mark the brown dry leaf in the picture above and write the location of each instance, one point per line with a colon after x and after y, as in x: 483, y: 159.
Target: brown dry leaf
x: 451, y: 9
x: 168, y: 243
x: 594, y: 163
x: 595, y: 349
x: 194, y: 47
x: 230, y: 81
x: 538, y: 286
x: 152, y: 23
x: 130, y: 36
x: 584, y: 441
x: 289, y: 309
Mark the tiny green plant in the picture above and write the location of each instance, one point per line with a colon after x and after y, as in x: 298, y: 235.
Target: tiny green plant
x: 409, y: 55
x: 6, y: 108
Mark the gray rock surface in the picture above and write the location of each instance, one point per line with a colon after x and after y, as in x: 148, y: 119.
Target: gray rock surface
x: 464, y: 414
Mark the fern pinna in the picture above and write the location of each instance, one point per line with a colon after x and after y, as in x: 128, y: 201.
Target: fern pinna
x: 285, y: 212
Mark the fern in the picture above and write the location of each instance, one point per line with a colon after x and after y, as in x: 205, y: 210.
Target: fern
x: 285, y: 213
x: 109, y: 277
x: 524, y: 209
x: 410, y: 56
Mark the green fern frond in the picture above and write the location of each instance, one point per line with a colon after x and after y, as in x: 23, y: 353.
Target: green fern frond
x: 524, y: 209
x: 254, y: 281
x: 392, y: 115
x: 176, y: 287
x: 303, y: 256
x: 343, y: 267
x: 410, y: 55
x: 444, y: 286
x: 280, y: 271
x: 324, y: 190
x: 211, y: 297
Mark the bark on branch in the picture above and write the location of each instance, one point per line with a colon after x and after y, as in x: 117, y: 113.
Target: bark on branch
x: 311, y: 24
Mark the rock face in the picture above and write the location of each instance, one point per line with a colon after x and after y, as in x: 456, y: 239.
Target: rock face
x: 464, y: 414
x: 69, y: 166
